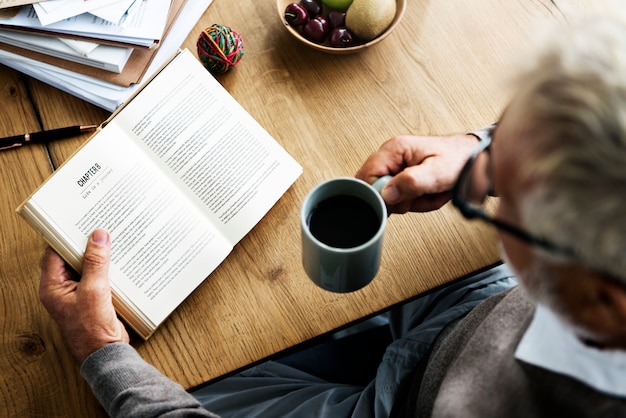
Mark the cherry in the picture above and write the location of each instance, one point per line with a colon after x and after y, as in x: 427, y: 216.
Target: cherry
x: 341, y: 38
x: 312, y: 6
x: 296, y: 14
x: 336, y: 18
x: 316, y: 29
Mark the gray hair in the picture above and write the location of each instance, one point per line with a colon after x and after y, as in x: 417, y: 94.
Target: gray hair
x: 574, y: 95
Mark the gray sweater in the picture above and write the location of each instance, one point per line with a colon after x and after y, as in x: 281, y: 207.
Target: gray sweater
x: 127, y: 386
x: 472, y: 372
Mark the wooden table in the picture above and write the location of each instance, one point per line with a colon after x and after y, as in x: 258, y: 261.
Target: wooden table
x: 436, y: 74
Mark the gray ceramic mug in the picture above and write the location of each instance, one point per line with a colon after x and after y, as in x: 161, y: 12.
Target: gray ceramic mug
x: 342, y: 223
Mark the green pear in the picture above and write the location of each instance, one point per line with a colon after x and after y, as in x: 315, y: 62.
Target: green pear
x: 341, y: 5
x: 369, y: 18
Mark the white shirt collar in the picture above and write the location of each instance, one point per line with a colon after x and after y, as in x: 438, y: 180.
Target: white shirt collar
x: 550, y: 344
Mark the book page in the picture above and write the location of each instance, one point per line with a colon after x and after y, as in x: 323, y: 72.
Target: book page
x: 162, y: 247
x: 228, y: 164
x: 178, y: 176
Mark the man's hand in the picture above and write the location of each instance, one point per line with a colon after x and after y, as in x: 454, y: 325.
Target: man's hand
x: 424, y: 170
x: 82, y: 309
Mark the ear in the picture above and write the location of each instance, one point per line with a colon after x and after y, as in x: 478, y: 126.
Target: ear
x: 608, y: 308
x: 610, y: 294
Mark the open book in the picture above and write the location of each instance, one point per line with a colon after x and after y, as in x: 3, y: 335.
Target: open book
x: 178, y: 176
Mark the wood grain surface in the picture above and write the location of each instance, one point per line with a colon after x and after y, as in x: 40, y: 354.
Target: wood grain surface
x: 443, y: 70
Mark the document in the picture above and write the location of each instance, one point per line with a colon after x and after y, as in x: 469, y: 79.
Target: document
x: 143, y: 28
x: 51, y: 11
x: 178, y: 176
x: 106, y: 57
x: 106, y: 93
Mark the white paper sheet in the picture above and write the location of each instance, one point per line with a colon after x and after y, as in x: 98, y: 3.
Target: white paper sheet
x: 106, y: 57
x: 141, y: 28
x: 53, y: 11
x: 115, y: 12
x: 106, y: 95
x: 82, y: 47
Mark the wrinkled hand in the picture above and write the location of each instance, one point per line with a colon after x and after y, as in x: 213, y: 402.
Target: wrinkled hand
x: 82, y: 309
x: 424, y: 169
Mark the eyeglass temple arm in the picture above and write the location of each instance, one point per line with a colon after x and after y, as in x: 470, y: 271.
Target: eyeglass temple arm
x: 472, y: 213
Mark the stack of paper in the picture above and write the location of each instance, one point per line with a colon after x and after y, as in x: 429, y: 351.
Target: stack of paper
x: 98, y: 50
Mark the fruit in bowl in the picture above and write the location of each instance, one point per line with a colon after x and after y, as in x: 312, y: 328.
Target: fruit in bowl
x: 369, y: 18
x: 296, y: 14
x: 341, y: 24
x: 316, y: 29
x: 312, y: 6
x: 341, y: 38
x: 337, y: 4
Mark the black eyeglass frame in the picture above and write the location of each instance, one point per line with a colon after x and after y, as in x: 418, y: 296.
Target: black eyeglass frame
x: 470, y: 211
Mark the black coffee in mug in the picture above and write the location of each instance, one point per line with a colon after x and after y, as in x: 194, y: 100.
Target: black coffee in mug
x: 342, y: 224
x: 343, y: 221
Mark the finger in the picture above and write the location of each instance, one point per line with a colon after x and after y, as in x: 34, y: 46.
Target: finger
x: 425, y: 203
x: 95, y: 272
x: 55, y: 275
x: 430, y: 202
x: 52, y: 267
x: 375, y: 166
x: 392, y: 156
x: 411, y: 183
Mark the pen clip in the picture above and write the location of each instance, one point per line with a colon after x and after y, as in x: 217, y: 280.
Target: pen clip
x: 17, y: 144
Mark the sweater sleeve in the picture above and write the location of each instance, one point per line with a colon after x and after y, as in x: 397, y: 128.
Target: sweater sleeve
x: 127, y: 386
x: 484, y: 133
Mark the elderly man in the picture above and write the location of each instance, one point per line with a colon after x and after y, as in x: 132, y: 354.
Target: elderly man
x: 555, y: 346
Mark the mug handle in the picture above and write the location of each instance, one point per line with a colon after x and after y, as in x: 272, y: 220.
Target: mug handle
x: 380, y: 183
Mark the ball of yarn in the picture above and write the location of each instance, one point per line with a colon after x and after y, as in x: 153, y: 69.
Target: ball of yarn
x: 219, y: 48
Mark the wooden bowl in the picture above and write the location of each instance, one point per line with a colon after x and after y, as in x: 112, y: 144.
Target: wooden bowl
x: 282, y: 4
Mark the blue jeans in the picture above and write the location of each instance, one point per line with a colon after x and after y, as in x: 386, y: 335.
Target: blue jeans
x: 290, y: 387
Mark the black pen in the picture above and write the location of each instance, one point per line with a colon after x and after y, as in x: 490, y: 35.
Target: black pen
x: 44, y: 136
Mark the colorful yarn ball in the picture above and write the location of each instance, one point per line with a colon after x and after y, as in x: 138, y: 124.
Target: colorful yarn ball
x: 219, y: 48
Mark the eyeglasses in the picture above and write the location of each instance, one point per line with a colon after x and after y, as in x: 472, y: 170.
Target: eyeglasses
x: 471, y: 196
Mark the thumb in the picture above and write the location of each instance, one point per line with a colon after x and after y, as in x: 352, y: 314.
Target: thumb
x: 96, y: 260
x: 390, y: 194
x: 403, y: 187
